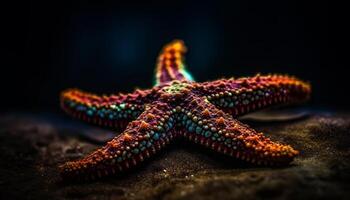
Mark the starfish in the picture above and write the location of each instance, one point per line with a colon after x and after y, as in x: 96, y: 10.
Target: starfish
x: 177, y: 106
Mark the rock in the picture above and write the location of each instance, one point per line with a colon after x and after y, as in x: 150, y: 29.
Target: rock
x: 32, y: 145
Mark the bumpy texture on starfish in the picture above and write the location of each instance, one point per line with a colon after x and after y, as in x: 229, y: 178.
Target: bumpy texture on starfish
x: 179, y: 107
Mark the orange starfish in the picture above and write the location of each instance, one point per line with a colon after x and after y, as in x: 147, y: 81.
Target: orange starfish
x: 177, y: 106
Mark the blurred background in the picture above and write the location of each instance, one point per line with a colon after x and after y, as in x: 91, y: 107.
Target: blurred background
x: 107, y: 47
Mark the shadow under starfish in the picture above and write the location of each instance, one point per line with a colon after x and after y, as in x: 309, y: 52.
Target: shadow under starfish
x: 177, y: 106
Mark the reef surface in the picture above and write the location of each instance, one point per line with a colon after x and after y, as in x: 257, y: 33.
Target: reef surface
x: 32, y: 145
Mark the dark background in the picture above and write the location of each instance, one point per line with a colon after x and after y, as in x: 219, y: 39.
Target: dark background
x: 112, y: 46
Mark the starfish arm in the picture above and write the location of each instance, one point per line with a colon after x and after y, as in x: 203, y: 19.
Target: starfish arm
x: 244, y: 95
x: 209, y: 126
x: 143, y: 137
x: 112, y: 111
x: 171, y: 64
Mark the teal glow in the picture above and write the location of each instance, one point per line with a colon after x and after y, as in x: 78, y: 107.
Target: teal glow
x: 187, y: 75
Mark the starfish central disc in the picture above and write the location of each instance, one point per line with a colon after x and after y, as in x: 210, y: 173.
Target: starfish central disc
x: 177, y: 87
